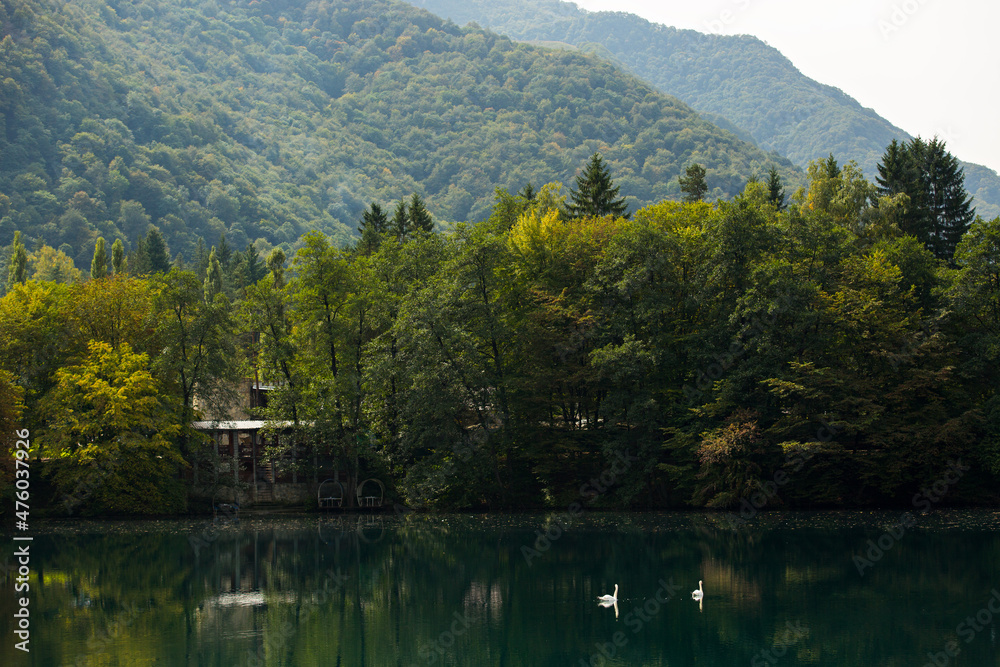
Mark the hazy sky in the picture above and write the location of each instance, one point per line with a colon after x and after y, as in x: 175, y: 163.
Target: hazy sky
x: 930, y: 67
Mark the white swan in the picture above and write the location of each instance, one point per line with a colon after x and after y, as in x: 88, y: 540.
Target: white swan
x: 698, y: 594
x: 609, y: 598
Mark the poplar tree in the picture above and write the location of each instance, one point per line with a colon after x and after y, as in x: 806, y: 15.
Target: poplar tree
x: 213, y: 280
x: 17, y: 272
x: 119, y: 264
x: 99, y: 264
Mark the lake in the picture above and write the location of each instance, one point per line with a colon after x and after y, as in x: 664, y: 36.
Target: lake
x: 785, y: 588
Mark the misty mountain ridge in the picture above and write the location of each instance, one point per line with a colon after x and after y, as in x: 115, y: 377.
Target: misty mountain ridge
x: 739, y: 78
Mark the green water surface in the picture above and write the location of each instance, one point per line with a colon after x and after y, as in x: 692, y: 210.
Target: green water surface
x: 410, y: 590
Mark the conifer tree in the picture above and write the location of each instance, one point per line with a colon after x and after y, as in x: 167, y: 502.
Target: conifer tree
x: 940, y: 210
x: 99, y: 264
x: 156, y: 252
x: 252, y: 267
x: 201, y: 255
x: 374, y: 223
x: 832, y: 168
x: 374, y: 219
x: 400, y: 224
x: 527, y: 193
x: 775, y: 191
x: 595, y: 193
x: 693, y: 185
x: 420, y: 218
x: 224, y: 253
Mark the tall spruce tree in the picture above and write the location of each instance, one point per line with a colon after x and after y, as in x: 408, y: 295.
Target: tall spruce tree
x: 527, y: 193
x: 595, y: 193
x: 400, y: 224
x: 775, y: 190
x: 156, y: 251
x: 374, y: 223
x: 420, y: 218
x: 940, y: 209
x: 832, y: 168
x: 224, y: 253
x: 252, y: 267
x: 375, y: 219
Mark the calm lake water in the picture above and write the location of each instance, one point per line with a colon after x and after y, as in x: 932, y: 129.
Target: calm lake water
x: 474, y: 590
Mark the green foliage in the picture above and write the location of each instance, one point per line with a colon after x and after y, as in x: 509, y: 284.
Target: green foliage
x: 109, y: 434
x: 213, y: 281
x: 420, y: 219
x: 270, y: 119
x: 939, y: 209
x: 693, y: 183
x: 775, y: 191
x: 735, y: 81
x: 99, y: 265
x: 709, y: 346
x: 119, y: 263
x: 11, y: 409
x: 595, y: 193
x: 18, y: 265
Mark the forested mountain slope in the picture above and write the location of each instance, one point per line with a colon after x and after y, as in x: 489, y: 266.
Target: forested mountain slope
x: 737, y: 77
x: 262, y: 120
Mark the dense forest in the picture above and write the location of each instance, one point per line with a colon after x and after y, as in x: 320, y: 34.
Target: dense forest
x: 695, y: 352
x: 729, y: 79
x: 265, y: 120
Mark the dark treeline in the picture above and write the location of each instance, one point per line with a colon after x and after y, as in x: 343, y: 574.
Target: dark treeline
x: 700, y: 351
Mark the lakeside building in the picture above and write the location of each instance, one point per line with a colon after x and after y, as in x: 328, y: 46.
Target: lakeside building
x: 239, y: 465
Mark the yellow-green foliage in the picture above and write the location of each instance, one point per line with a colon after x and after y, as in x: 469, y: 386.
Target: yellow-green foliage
x: 111, y: 433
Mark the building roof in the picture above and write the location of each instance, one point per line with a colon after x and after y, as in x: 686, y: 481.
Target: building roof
x: 237, y: 425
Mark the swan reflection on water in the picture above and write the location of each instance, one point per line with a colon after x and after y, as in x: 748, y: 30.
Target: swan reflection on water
x: 610, y: 600
x: 610, y: 603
